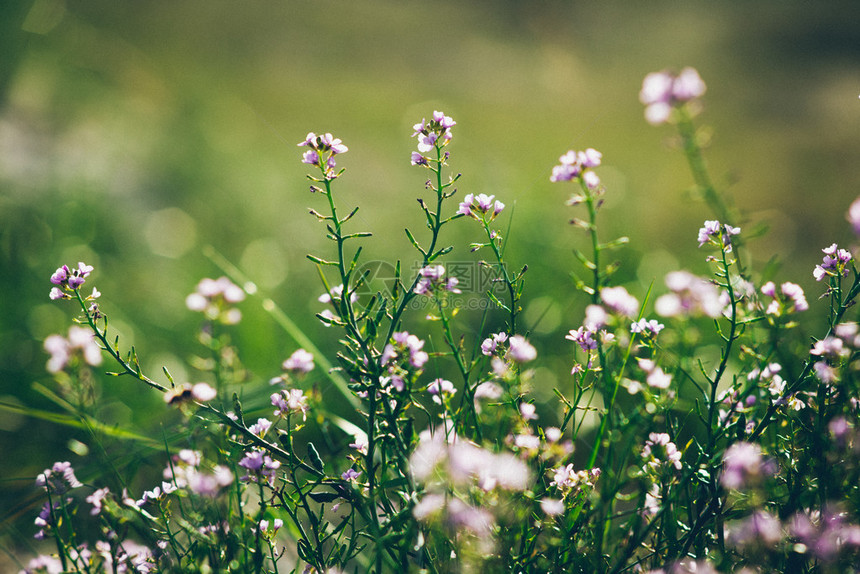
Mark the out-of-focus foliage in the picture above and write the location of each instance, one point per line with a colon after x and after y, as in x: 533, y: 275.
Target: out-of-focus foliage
x: 134, y: 134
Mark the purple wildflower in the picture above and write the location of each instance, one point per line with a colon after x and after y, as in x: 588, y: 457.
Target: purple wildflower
x: 835, y: 263
x: 69, y: 279
x: 660, y: 452
x: 260, y: 466
x: 854, y: 215
x: 718, y: 234
x: 299, y: 362
x: 647, y: 327
x: 528, y: 411
x: 584, y: 337
x: 620, y: 301
x: 491, y: 344
x: 351, y: 475
x: 743, y: 465
x: 521, y: 351
x: 292, y: 401
x: 790, y: 298
x: 322, y: 150
x: 472, y: 205
x: 96, y: 499
x: 261, y: 427
x: 59, y: 478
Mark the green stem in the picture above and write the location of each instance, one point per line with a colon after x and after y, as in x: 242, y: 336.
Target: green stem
x: 696, y: 160
x: 112, y: 351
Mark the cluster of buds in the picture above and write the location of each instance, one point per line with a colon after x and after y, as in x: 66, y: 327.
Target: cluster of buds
x: 663, y: 91
x: 322, y: 150
x: 214, y: 298
x: 434, y: 134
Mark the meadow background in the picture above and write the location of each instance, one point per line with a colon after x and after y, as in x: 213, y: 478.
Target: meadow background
x: 137, y: 136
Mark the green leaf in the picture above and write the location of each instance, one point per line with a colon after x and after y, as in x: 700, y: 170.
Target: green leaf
x: 78, y: 422
x: 316, y: 461
x: 414, y: 242
x: 322, y: 497
x: 237, y: 409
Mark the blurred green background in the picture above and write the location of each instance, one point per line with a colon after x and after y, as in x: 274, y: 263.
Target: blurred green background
x: 133, y: 134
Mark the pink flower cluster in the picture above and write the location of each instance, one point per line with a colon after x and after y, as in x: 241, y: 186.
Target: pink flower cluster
x: 186, y: 471
x: 59, y: 478
x: 69, y: 279
x: 718, y: 234
x: 432, y: 277
x: 577, y: 165
x: 744, y: 466
x: 660, y: 452
x: 690, y: 295
x: 790, y: 298
x: 835, y: 263
x: 300, y: 361
x: 322, y: 150
x: 404, y: 354
x: 568, y: 480
x: 290, y: 401
x: 441, y: 389
x: 79, y: 343
x: 662, y: 91
x: 473, y: 205
x: 260, y: 466
x: 214, y: 298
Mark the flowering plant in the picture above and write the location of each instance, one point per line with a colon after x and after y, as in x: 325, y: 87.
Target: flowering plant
x: 655, y: 457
